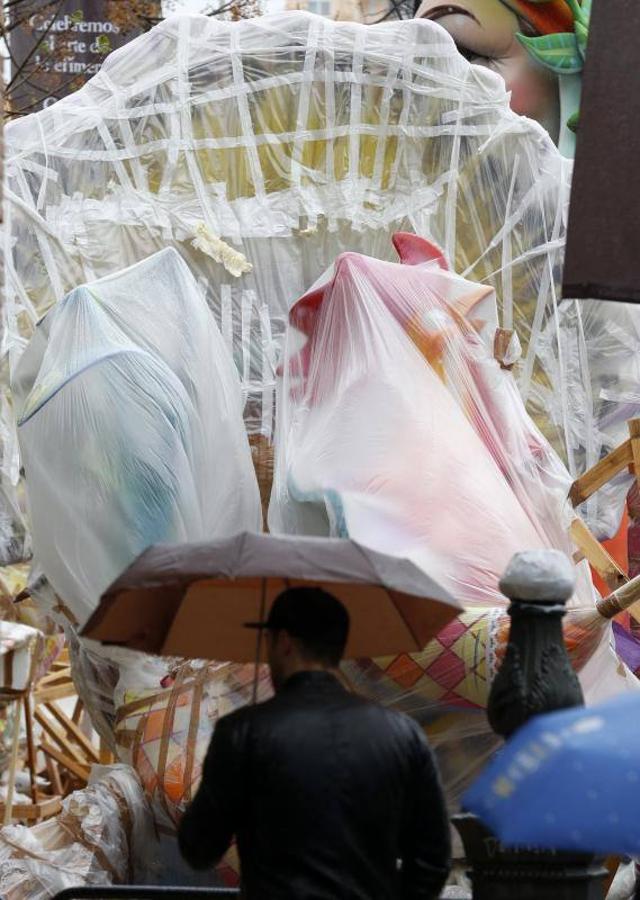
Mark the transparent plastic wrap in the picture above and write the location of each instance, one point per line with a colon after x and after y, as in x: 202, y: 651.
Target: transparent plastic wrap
x: 593, y: 347
x: 93, y: 841
x: 130, y: 425
x: 158, y: 716
x: 397, y: 427
x: 21, y: 648
x: 446, y: 687
x: 264, y: 148
x: 13, y: 584
x: 15, y: 540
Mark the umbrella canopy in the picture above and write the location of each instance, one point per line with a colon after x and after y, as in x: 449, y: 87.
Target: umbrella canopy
x: 603, y: 244
x: 567, y: 781
x: 192, y: 600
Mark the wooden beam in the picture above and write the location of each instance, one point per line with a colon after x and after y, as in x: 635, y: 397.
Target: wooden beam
x: 13, y: 763
x: 599, y: 559
x: 33, y: 812
x: 603, y: 471
x: 54, y: 775
x: 80, y: 771
x: 77, y: 711
x: 57, y: 692
x: 59, y: 738
x: 106, y: 756
x: 634, y: 439
x: 62, y: 676
x: 31, y: 748
x: 73, y: 731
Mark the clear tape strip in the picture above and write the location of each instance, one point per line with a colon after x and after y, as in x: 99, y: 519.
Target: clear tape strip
x: 268, y: 371
x: 247, y: 304
x: 304, y: 96
x: 245, y: 115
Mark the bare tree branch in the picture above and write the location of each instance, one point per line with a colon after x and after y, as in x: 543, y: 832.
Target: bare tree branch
x: 41, y: 60
x: 39, y: 43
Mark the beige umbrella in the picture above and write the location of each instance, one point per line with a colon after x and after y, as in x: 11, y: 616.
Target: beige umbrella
x: 192, y: 600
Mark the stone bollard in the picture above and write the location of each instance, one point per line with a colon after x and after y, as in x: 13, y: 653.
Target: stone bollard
x: 535, y: 677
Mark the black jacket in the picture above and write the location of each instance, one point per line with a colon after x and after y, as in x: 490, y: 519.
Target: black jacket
x: 325, y: 792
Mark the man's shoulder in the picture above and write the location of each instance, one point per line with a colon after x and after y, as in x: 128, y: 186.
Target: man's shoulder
x: 354, y: 705
x: 392, y: 718
x: 245, y: 715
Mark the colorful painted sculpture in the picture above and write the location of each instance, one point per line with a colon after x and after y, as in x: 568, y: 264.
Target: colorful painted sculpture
x: 261, y: 153
x: 538, y: 46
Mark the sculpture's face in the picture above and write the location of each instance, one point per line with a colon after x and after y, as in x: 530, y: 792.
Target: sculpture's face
x: 485, y: 33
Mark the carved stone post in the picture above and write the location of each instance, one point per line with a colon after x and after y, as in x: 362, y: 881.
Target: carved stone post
x: 535, y: 677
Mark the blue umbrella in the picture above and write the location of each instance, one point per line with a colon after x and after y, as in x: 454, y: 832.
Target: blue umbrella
x: 569, y: 780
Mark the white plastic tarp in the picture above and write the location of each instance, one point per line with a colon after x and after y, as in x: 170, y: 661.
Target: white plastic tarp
x: 130, y: 424
x: 398, y: 428
x: 262, y: 150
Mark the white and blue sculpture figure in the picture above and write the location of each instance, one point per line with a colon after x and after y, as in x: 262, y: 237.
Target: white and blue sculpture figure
x: 260, y: 150
x: 130, y: 425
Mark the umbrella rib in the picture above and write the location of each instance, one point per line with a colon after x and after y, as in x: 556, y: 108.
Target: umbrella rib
x: 390, y: 594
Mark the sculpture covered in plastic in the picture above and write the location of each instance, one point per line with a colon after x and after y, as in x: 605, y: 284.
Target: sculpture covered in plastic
x: 263, y: 151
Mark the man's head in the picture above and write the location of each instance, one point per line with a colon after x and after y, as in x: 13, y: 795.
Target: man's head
x: 307, y: 629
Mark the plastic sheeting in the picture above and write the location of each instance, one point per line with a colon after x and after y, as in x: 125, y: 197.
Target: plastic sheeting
x: 262, y: 149
x: 93, y: 841
x: 130, y: 424
x: 398, y: 428
x: 20, y: 650
x: 158, y: 716
x: 13, y: 582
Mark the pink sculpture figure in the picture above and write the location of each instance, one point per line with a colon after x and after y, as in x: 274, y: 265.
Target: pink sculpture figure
x: 399, y: 427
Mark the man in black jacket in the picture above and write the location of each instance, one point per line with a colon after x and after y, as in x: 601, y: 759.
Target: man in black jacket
x: 330, y: 796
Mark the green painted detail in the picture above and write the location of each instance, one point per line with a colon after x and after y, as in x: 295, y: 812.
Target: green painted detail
x: 582, y: 36
x: 564, y: 53
x: 558, y: 52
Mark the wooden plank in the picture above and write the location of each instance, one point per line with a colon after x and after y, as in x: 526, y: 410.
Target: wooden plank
x: 80, y: 771
x: 603, y: 471
x: 634, y: 437
x: 58, y: 692
x: 32, y: 812
x: 54, y: 775
x: 13, y: 764
x: 106, y: 756
x: 59, y: 738
x: 54, y: 678
x: 63, y: 658
x: 59, y: 665
x: 77, y: 711
x: 31, y: 748
x: 74, y: 731
x: 593, y: 551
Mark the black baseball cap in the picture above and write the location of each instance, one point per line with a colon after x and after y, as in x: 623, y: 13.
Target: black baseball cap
x: 308, y: 613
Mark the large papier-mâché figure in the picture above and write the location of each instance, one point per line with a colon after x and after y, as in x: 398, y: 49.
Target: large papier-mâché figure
x: 537, y: 46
